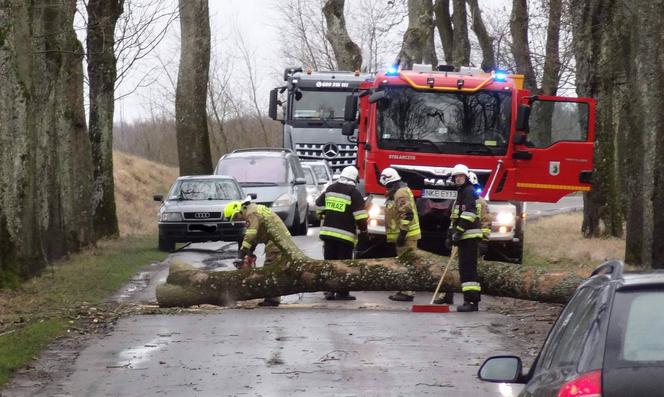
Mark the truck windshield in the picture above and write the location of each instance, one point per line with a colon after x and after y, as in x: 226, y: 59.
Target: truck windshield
x: 320, y: 105
x: 444, y: 122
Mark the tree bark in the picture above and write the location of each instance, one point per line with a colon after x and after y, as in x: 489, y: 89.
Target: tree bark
x: 445, y: 30
x: 520, y: 47
x: 417, y: 46
x: 460, y: 40
x: 348, y: 54
x: 102, y: 18
x: 191, y: 93
x: 483, y: 36
x: 551, y: 72
x: 45, y: 160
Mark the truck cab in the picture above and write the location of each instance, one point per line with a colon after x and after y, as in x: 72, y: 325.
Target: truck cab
x: 522, y: 147
x: 313, y: 114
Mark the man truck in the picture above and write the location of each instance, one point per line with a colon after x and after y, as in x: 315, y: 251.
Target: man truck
x: 523, y: 147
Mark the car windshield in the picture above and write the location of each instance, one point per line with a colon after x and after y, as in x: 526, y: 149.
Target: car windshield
x: 320, y: 171
x: 205, y: 189
x: 255, y: 171
x: 320, y: 105
x: 444, y: 122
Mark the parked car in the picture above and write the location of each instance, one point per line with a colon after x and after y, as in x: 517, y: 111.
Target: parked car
x: 314, y: 189
x: 194, y: 208
x: 277, y: 178
x: 322, y: 170
x: 608, y: 341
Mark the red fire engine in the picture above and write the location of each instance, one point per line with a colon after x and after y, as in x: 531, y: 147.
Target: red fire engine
x: 523, y: 147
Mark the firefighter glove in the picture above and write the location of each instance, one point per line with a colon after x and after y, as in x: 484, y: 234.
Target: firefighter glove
x: 401, y: 240
x: 456, y: 237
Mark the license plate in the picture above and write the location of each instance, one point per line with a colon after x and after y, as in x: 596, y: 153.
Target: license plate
x: 439, y: 194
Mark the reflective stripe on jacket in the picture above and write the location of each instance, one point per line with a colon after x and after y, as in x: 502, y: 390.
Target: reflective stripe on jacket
x: 401, y: 214
x: 342, y: 212
x: 465, y: 217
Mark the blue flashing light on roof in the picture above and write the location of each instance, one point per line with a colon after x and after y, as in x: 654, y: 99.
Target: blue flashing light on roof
x: 392, y: 71
x: 500, y: 75
x: 478, y: 190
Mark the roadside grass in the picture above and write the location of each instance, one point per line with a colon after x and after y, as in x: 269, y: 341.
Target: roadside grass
x: 557, y: 242
x: 43, y: 308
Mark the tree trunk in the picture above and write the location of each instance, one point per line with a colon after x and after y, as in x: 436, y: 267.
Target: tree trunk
x: 445, y: 30
x: 520, y: 48
x: 102, y: 72
x: 460, y: 41
x: 347, y: 54
x: 417, y: 46
x: 191, y: 93
x: 45, y: 160
x: 551, y: 72
x: 485, y: 40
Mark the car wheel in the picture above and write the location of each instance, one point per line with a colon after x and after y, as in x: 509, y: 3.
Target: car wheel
x: 166, y: 245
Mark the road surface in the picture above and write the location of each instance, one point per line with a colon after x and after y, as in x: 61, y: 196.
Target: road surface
x: 307, y: 346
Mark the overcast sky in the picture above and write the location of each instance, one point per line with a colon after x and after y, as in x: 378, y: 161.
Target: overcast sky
x: 256, y: 21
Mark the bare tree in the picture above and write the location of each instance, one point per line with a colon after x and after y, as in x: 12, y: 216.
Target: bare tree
x: 417, y: 46
x: 484, y: 38
x: 551, y: 72
x: 445, y: 29
x: 190, y: 99
x: 348, y: 55
x: 460, y: 41
x: 520, y: 46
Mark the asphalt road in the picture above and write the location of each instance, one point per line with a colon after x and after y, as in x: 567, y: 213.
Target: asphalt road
x: 307, y: 346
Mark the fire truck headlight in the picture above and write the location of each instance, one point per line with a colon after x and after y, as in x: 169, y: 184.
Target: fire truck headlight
x: 505, y: 218
x: 374, y: 211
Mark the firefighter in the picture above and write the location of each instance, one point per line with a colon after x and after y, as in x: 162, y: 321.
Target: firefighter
x: 401, y: 221
x: 342, y: 212
x: 482, y: 208
x: 257, y: 217
x: 465, y: 232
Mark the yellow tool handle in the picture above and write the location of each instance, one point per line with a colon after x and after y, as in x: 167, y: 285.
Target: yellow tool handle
x: 440, y: 283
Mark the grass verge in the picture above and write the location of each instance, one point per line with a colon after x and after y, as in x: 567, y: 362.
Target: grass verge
x: 45, y: 308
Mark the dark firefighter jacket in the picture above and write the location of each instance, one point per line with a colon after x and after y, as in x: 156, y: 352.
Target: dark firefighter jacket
x: 342, y: 212
x: 466, y: 213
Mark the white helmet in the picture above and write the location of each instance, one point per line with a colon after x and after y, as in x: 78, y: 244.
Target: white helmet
x: 350, y: 173
x: 472, y: 177
x: 389, y: 175
x: 460, y: 169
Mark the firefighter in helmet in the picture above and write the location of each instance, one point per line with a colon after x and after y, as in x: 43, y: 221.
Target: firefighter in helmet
x: 465, y: 232
x: 482, y: 209
x: 258, y: 218
x: 342, y: 212
x: 402, y: 225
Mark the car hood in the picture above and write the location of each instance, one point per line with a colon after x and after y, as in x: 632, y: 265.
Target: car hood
x: 266, y: 194
x: 195, y: 205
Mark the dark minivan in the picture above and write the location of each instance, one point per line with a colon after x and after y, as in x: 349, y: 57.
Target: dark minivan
x: 608, y: 341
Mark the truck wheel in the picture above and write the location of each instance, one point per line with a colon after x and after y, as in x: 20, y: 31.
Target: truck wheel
x: 166, y: 245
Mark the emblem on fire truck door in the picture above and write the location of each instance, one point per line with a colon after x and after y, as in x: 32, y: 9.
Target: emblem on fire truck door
x: 554, y: 168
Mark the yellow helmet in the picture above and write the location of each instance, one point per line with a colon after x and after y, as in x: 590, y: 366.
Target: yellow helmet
x: 231, y: 209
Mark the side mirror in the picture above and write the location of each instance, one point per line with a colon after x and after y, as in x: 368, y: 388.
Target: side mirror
x: 300, y: 181
x: 501, y: 369
x: 522, y: 117
x: 253, y: 196
x: 158, y: 197
x: 348, y: 129
x: 274, y: 100
x: 350, y: 111
x: 377, y: 96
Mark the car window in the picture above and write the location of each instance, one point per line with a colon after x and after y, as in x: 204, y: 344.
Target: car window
x: 309, y: 176
x: 247, y: 170
x: 205, y: 189
x: 565, y: 342
x: 321, y: 172
x: 637, y: 322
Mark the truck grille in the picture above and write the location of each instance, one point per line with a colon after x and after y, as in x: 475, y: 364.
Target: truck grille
x: 201, y: 215
x: 337, y: 155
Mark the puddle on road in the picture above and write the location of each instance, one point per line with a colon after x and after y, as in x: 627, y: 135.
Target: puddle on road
x: 140, y: 354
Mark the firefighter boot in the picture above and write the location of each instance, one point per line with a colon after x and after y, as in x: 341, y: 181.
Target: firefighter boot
x: 447, y: 299
x: 401, y: 297
x: 269, y: 302
x: 344, y: 296
x: 470, y: 302
x: 329, y: 295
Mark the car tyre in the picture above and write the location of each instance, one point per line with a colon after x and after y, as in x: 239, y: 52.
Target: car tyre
x: 166, y: 245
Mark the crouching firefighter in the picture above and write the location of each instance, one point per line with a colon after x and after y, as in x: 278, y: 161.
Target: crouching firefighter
x: 342, y: 215
x: 402, y: 225
x: 465, y: 232
x: 257, y: 217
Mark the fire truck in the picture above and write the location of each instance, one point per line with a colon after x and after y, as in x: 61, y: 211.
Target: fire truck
x: 313, y: 114
x: 523, y: 147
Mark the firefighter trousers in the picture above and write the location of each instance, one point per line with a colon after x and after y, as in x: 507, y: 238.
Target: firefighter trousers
x: 336, y: 249
x: 272, y: 258
x: 407, y: 246
x: 470, y: 285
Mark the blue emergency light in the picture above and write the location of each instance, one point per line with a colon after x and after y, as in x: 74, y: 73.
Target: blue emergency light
x: 500, y: 75
x: 478, y: 190
x: 392, y: 71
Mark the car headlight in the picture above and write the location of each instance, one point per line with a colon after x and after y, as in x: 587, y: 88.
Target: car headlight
x: 171, y: 217
x: 282, y: 201
x: 505, y: 218
x: 375, y: 211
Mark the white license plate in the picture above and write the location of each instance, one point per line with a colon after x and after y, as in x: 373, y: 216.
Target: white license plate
x: 439, y: 194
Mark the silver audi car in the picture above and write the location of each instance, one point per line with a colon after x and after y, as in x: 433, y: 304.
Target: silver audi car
x: 193, y: 211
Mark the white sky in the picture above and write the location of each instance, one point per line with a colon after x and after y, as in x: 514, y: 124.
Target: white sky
x: 256, y: 21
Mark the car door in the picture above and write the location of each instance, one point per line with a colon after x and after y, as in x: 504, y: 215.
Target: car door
x: 556, y: 156
x: 300, y: 190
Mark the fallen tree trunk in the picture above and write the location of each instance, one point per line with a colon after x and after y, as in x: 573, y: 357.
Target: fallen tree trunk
x: 417, y: 271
